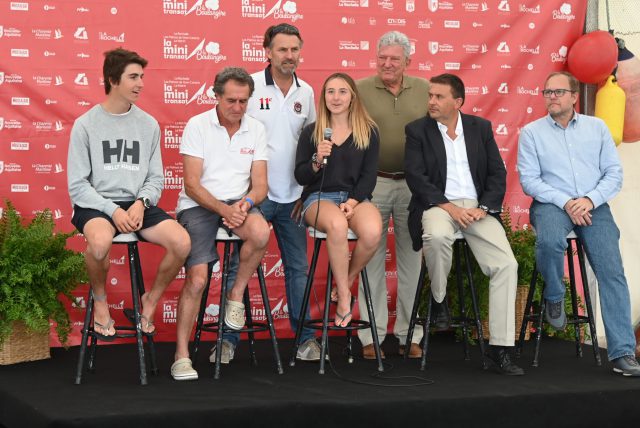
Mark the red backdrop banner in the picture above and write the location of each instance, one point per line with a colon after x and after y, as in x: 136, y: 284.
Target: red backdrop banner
x: 51, y: 72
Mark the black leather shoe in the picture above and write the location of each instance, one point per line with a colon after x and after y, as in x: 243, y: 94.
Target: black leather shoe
x: 440, y: 316
x: 499, y: 359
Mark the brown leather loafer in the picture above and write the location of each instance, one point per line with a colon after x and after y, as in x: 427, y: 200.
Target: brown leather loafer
x: 415, y: 351
x: 369, y: 353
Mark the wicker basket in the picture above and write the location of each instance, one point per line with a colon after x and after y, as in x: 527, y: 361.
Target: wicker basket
x: 24, y: 345
x: 521, y: 302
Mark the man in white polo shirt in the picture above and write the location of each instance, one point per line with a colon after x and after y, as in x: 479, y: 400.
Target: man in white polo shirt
x: 225, y: 175
x: 284, y: 104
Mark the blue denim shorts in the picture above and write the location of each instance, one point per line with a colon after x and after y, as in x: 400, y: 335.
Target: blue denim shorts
x: 335, y: 197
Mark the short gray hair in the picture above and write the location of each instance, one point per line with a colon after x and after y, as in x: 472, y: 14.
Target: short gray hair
x: 236, y: 74
x: 393, y: 38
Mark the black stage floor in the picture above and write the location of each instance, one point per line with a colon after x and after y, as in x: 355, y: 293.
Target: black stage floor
x: 564, y: 391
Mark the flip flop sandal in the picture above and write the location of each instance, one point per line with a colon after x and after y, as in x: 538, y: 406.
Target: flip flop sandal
x: 342, y: 318
x: 144, y: 321
x: 106, y: 327
x: 234, y: 315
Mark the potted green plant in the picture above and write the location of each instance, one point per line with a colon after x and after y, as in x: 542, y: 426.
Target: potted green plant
x: 36, y: 268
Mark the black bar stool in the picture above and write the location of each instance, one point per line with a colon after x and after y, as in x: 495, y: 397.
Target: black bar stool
x: 323, y: 324
x: 573, y: 318
x: 137, y: 290
x: 462, y: 320
x: 220, y: 327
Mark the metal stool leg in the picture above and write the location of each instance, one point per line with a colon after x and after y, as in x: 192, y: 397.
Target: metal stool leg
x: 587, y: 301
x: 425, y: 330
x: 372, y: 319
x: 574, y: 298
x: 474, y: 302
x: 536, y: 354
x: 135, y: 293
x: 414, y: 311
x: 141, y: 291
x: 305, y: 301
x: 250, y: 335
x: 272, y: 330
x: 527, y: 311
x: 463, y: 315
x: 85, y: 337
x: 223, y: 307
x: 324, y: 343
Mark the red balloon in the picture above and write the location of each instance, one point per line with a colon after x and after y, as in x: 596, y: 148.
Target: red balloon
x: 593, y: 57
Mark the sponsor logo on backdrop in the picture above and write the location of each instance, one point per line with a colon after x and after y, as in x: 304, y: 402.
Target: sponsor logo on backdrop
x: 104, y: 36
x: 272, y: 266
x: 83, y: 55
x: 10, y: 79
x: 528, y: 91
x: 20, y: 101
x: 471, y: 48
x: 282, y: 9
x: 436, y: 47
x: 476, y: 66
x: 560, y: 56
x: 503, y: 88
x: 396, y: 22
x: 20, y: 53
x: 49, y: 146
x: 252, y: 50
x: 362, y: 45
x: 83, y: 103
x: 42, y: 125
x: 58, y: 126
x: 385, y: 4
x: 475, y: 6
x: 43, y: 34
x: 22, y: 6
x: 173, y: 177
x: 19, y: 188
x: 181, y: 91
x: 475, y: 24
x: 81, y: 79
x: 347, y: 20
x: 182, y: 274
x: 503, y: 110
x: 280, y: 310
x: 425, y: 66
x: 9, y: 32
x: 172, y: 135
x: 198, y: 8
x: 49, y: 101
x: 119, y: 261
x: 564, y: 13
x: 57, y: 34
x: 82, y: 9
x: 425, y: 23
x: 43, y: 80
x: 48, y: 188
x: 535, y: 10
x: 183, y: 46
x: 410, y: 6
x: 41, y: 168
x: 347, y: 63
x: 353, y: 3
x: 452, y: 66
x: 529, y: 50
x: 501, y: 129
x: 49, y: 7
x: 476, y: 90
x: 504, y: 6
x: 503, y: 48
x: 451, y: 24
x: 10, y: 167
x: 170, y: 311
x: 81, y: 34
x: 10, y: 124
x: 48, y: 53
x: 435, y: 5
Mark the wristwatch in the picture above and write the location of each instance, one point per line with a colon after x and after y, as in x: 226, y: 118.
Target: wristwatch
x: 484, y: 208
x: 315, y: 161
x: 145, y: 201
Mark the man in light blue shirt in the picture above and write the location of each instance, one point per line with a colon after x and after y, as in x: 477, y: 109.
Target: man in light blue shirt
x: 569, y: 164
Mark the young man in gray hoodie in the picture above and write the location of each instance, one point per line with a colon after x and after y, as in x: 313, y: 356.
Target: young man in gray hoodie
x: 115, y: 179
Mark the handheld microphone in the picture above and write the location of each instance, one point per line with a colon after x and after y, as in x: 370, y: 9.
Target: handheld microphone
x: 328, y: 132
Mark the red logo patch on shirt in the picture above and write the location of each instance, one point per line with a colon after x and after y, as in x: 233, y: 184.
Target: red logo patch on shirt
x: 246, y: 151
x: 297, y: 107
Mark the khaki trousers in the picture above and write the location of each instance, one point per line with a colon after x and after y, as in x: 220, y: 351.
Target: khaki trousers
x: 392, y: 199
x: 489, y: 245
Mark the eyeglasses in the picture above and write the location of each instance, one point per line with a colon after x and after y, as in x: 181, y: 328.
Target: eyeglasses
x: 557, y: 92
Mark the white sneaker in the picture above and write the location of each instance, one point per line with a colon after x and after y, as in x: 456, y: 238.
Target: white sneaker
x: 183, y: 370
x: 309, y: 351
x: 228, y: 350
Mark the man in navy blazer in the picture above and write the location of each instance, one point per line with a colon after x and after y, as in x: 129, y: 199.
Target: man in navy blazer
x: 458, y: 181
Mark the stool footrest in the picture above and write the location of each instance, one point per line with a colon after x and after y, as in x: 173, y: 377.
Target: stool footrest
x: 353, y: 325
x: 250, y: 328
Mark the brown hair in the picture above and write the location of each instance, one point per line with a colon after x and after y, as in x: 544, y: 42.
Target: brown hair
x: 115, y: 61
